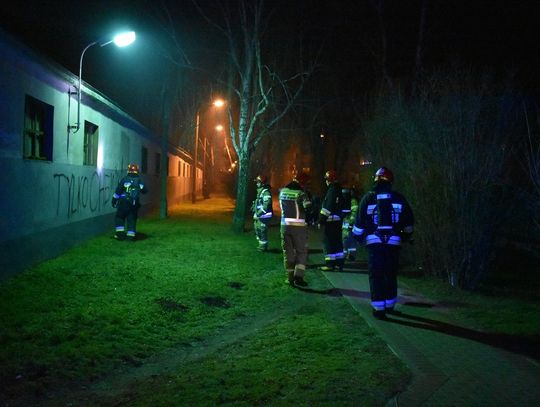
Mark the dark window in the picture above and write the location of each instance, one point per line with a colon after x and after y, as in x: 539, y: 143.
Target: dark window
x: 91, y: 141
x: 38, y: 129
x: 144, y: 160
x: 157, y: 164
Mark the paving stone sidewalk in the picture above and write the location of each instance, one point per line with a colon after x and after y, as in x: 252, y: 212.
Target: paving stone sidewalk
x: 451, y: 365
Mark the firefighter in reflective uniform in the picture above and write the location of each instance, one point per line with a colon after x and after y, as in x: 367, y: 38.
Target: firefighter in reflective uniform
x: 262, y: 212
x: 127, y: 204
x: 384, y: 221
x: 294, y: 204
x: 350, y: 209
x: 330, y: 219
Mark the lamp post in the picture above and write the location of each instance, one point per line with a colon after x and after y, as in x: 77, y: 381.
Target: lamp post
x: 120, y: 40
x: 216, y: 103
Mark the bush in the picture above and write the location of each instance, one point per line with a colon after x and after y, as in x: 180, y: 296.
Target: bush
x: 447, y: 146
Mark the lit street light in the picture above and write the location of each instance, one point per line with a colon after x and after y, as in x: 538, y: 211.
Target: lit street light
x: 216, y: 103
x: 120, y: 40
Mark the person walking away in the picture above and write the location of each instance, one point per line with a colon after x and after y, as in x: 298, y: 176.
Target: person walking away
x: 262, y: 212
x: 294, y: 204
x: 330, y: 219
x: 350, y: 209
x: 126, y: 200
x: 384, y: 221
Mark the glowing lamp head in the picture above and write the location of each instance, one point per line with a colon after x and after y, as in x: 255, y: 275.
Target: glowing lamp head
x: 124, y: 39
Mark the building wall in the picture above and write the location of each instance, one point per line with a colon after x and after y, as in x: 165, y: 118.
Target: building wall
x: 49, y: 204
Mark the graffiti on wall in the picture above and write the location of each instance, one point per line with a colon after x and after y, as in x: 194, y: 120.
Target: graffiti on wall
x: 80, y: 194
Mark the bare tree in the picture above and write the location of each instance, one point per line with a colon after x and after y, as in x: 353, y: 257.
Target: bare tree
x: 263, y: 90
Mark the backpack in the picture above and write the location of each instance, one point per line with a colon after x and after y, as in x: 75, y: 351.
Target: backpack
x: 384, y: 215
x: 133, y: 190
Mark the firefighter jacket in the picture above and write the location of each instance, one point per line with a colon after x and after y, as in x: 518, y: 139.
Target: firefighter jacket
x: 331, y: 207
x: 294, y: 204
x: 129, y: 189
x: 370, y: 224
x: 262, y: 206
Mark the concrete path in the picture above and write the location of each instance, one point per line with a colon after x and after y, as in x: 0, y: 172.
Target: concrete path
x: 451, y: 365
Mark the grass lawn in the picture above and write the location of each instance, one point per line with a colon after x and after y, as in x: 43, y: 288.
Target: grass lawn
x: 190, y: 314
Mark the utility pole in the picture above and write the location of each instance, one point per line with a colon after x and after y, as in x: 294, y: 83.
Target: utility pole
x: 194, y: 166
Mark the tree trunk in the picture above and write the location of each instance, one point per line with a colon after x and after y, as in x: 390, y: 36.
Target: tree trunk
x: 241, y: 193
x: 166, y: 95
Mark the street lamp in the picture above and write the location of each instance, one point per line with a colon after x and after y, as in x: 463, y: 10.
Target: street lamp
x: 215, y: 103
x: 120, y: 40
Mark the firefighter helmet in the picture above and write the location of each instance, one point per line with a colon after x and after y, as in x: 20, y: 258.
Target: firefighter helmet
x: 330, y: 176
x: 302, y: 178
x: 133, y: 168
x: 383, y: 174
x: 263, y: 179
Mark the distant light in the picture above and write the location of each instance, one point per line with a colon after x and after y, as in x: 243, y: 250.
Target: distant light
x: 219, y: 102
x: 219, y: 127
x: 124, y: 39
x: 322, y: 135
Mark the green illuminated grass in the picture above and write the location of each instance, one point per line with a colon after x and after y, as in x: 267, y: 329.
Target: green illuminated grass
x: 191, y: 314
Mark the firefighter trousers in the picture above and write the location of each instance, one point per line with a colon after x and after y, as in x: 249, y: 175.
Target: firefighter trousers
x: 333, y: 245
x: 383, y: 263
x: 294, y: 242
x: 261, y: 232
x: 126, y: 215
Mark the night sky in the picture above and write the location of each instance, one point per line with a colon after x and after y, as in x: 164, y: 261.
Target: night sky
x: 500, y: 37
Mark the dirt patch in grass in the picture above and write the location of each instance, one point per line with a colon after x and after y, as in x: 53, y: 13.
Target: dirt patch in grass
x: 218, y: 302
x: 169, y: 305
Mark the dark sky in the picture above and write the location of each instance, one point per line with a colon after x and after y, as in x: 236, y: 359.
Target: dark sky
x: 501, y: 36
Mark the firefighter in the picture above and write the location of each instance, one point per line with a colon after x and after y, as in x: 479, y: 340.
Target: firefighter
x: 294, y: 204
x: 350, y: 209
x: 330, y: 219
x: 384, y: 221
x: 127, y: 203
x: 262, y: 212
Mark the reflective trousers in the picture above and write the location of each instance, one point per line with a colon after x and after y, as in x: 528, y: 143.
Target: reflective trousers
x: 126, y: 215
x: 260, y: 226
x: 294, y: 242
x: 333, y: 245
x: 383, y: 263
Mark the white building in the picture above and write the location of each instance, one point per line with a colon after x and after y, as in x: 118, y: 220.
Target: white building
x: 56, y: 184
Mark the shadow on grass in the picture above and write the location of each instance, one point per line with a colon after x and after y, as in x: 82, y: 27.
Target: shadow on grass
x: 354, y: 268
x: 332, y: 292
x: 523, y: 345
x: 139, y: 236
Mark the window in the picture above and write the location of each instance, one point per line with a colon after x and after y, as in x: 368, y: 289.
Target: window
x: 179, y: 169
x: 91, y: 141
x: 144, y: 160
x: 157, y: 164
x: 38, y: 129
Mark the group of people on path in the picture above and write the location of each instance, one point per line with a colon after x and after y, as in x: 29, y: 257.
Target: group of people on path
x: 381, y: 221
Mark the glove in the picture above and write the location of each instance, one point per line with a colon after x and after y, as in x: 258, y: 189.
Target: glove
x: 114, y: 202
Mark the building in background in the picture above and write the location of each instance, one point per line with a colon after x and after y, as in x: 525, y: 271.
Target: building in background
x: 56, y: 184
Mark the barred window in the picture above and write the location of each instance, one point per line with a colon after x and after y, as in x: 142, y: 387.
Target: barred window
x: 91, y: 141
x: 38, y: 129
